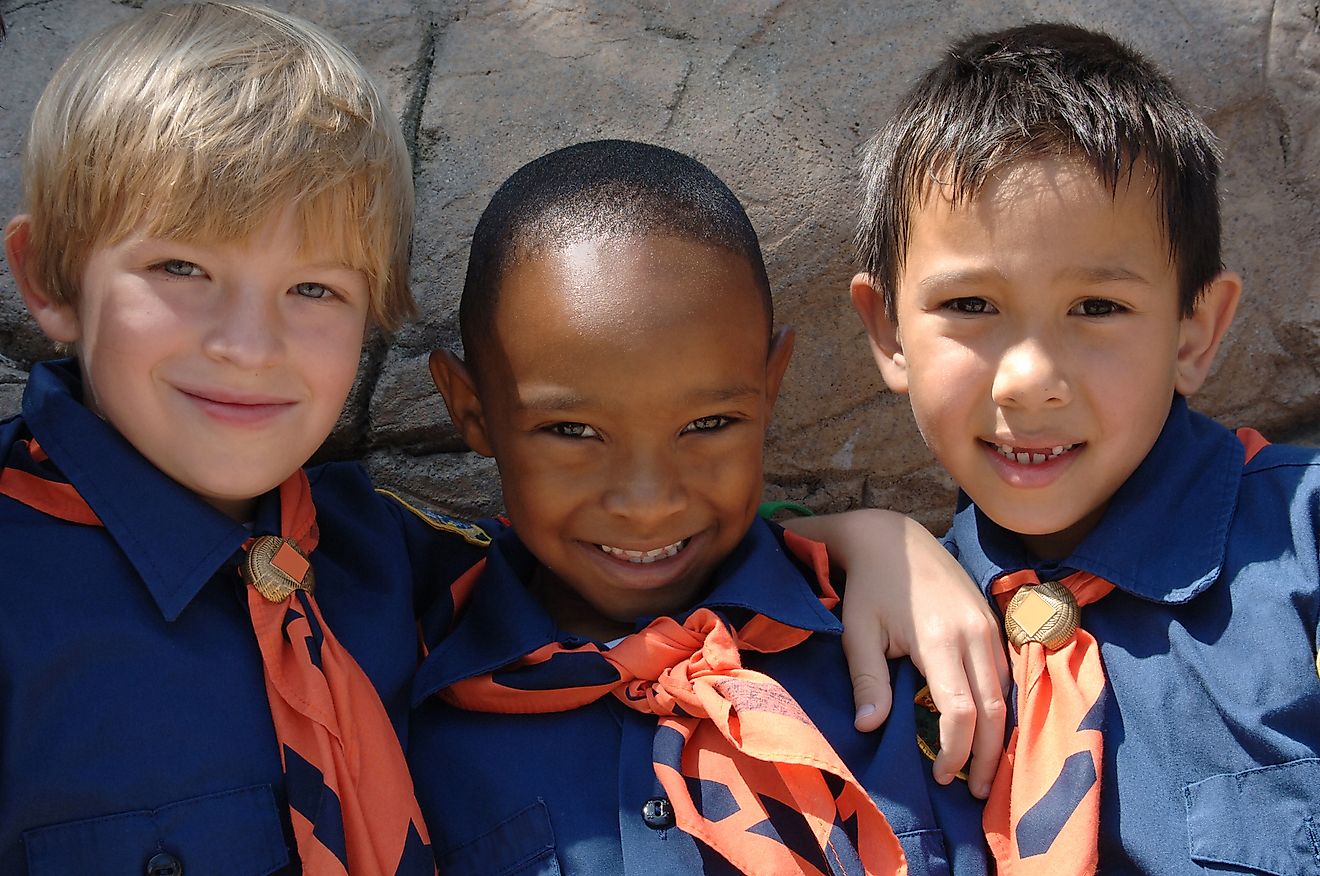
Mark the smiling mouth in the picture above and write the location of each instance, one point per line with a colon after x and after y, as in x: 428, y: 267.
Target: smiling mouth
x: 643, y: 557
x: 1032, y: 456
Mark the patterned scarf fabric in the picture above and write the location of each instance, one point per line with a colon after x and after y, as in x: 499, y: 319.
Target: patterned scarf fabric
x: 1043, y: 814
x: 771, y: 794
x: 350, y: 795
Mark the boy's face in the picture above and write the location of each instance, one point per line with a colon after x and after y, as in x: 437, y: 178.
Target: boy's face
x: 224, y: 364
x: 625, y: 395
x: 1039, y: 337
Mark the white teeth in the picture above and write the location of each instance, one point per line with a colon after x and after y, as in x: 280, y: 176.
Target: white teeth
x: 1029, y: 457
x: 650, y: 556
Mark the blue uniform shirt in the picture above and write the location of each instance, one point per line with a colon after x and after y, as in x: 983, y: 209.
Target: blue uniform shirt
x: 133, y: 712
x: 1212, y: 731
x: 564, y: 792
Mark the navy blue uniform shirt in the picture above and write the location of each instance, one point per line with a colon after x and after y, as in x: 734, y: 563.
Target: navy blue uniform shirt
x: 133, y: 712
x: 1212, y: 731
x: 564, y: 792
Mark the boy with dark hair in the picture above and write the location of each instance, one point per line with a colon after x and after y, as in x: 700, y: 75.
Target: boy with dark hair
x: 645, y: 677
x: 1040, y: 235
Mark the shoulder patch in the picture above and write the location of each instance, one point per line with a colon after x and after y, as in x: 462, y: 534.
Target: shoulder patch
x: 928, y: 727
x: 470, y: 532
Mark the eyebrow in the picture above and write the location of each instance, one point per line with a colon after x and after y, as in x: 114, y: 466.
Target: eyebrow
x: 969, y: 277
x: 976, y: 276
x: 566, y: 400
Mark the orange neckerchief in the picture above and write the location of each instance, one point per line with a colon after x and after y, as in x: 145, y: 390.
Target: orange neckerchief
x: 350, y: 794
x: 720, y: 723
x: 1043, y: 815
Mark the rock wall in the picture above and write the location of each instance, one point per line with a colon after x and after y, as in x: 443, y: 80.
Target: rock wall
x: 777, y: 97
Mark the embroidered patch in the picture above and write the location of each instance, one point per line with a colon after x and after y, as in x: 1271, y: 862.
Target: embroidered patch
x: 470, y: 532
x: 928, y: 727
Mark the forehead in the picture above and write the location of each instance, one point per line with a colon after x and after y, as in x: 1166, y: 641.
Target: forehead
x: 1041, y: 215
x: 657, y: 316
x: 630, y: 287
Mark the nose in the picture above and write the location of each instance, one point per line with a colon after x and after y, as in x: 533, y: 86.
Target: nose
x: 1031, y: 375
x: 646, y: 487
x: 245, y: 330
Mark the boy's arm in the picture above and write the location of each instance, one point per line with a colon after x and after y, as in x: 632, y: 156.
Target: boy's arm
x: 906, y: 596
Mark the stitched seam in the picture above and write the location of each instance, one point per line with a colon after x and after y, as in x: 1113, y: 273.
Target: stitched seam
x: 1314, y: 837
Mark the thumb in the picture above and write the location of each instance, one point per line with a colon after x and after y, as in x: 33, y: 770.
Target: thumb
x: 872, y: 692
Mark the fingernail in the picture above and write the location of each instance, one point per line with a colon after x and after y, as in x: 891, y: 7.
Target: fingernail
x: 865, y: 711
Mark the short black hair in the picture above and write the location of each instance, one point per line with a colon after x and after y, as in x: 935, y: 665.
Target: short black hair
x: 614, y: 188
x: 1035, y: 91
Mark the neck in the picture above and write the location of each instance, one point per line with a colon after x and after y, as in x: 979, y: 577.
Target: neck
x: 573, y: 614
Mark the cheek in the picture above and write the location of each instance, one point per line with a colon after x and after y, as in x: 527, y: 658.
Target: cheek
x: 332, y: 358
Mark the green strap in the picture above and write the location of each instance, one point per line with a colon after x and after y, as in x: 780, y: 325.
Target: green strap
x: 768, y: 510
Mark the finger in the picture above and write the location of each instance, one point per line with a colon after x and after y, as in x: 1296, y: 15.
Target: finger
x: 987, y: 671
x: 872, y: 693
x: 951, y: 692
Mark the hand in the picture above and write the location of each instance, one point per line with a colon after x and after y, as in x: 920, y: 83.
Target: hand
x: 906, y: 596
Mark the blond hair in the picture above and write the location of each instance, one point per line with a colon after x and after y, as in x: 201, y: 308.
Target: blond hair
x: 205, y: 120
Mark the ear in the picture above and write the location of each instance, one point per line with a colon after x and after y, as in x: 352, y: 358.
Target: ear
x: 456, y: 384
x: 882, y: 330
x: 776, y: 364
x: 57, y: 319
x: 1199, y: 335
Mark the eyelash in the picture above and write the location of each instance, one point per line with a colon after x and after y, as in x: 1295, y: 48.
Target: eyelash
x: 325, y: 291
x: 576, y: 431
x: 171, y: 266
x: 183, y: 268
x: 1112, y: 307
x: 974, y: 306
x: 969, y: 306
x: 581, y: 431
x: 714, y: 423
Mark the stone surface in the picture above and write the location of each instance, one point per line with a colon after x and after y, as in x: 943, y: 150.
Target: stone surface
x: 777, y: 97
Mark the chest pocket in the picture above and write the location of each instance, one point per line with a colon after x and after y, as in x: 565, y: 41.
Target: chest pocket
x: 1266, y: 820
x: 232, y: 833
x: 521, y: 845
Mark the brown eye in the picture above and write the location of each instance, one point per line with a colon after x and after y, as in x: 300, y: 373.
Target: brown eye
x: 573, y: 430
x: 1098, y: 307
x: 969, y: 305
x: 707, y: 424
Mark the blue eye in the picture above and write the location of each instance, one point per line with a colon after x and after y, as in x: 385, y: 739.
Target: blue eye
x: 1098, y: 307
x: 708, y: 424
x: 180, y: 268
x: 312, y: 290
x: 573, y: 430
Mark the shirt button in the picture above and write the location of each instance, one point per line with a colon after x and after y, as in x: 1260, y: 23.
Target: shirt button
x: 164, y: 864
x: 658, y: 813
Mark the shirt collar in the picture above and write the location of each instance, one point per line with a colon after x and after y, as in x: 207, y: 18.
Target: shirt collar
x: 1164, y: 534
x: 502, y: 621
x: 174, y: 540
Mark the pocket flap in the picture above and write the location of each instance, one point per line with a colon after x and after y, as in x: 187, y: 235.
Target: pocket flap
x: 233, y: 832
x: 522, y: 844
x: 1263, y: 819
